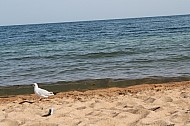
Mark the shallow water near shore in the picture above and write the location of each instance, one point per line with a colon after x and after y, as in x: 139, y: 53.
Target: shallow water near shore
x: 83, y: 85
x: 118, y: 49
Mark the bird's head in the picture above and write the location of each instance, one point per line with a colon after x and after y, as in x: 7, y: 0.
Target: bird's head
x: 35, y: 85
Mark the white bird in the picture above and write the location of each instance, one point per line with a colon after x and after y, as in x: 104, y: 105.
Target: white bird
x: 41, y: 92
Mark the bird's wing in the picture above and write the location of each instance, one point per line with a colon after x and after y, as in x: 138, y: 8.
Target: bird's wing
x: 44, y: 92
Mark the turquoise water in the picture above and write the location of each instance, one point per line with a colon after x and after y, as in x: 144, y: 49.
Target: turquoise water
x: 118, y: 49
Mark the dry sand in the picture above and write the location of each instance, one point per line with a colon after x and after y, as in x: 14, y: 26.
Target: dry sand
x: 143, y: 105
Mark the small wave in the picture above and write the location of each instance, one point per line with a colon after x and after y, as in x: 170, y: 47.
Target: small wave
x: 175, y: 59
x: 24, y: 58
x: 175, y: 28
x: 106, y: 54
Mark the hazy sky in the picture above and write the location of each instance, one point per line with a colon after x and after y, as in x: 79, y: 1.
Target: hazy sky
x: 46, y: 11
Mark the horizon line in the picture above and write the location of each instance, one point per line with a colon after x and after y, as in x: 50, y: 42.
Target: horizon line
x: 94, y: 20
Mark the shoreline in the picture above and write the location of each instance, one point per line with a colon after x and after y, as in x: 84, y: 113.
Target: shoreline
x: 112, y: 91
x: 90, y: 84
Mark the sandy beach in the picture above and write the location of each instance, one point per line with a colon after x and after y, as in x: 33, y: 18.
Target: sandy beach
x: 142, y: 105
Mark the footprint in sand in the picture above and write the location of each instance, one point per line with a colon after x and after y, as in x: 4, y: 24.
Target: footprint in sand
x: 44, y: 124
x: 8, y: 122
x: 154, y: 123
x: 149, y: 100
x: 167, y: 99
x: 180, y: 118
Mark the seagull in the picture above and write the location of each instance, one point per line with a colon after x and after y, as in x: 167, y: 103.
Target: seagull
x: 41, y: 92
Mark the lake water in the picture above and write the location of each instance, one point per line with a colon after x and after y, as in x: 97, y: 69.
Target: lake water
x: 117, y: 49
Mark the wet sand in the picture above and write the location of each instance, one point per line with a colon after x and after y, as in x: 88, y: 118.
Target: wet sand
x: 165, y: 104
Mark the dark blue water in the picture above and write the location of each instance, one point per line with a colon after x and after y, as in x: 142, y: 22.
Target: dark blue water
x: 125, y: 48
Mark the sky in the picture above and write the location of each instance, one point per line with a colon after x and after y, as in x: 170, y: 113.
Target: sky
x: 14, y: 12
